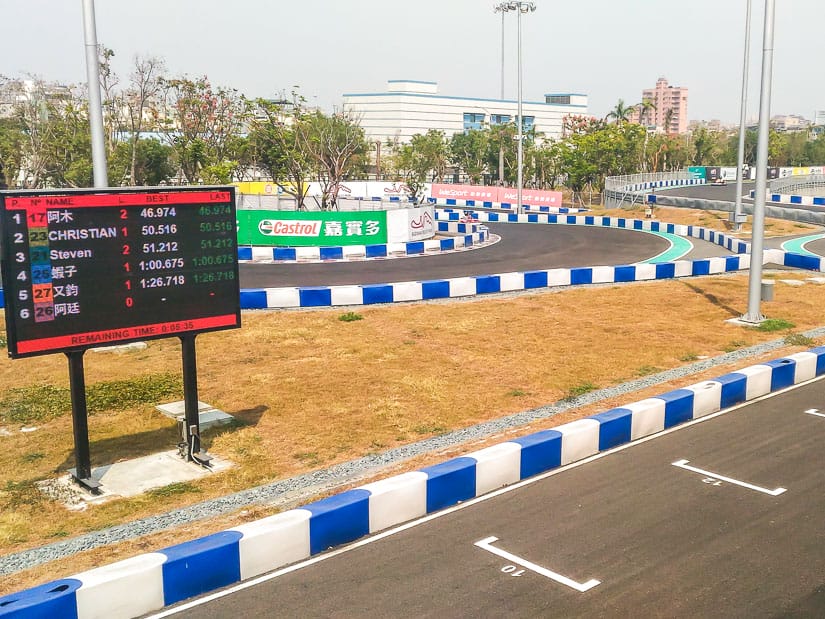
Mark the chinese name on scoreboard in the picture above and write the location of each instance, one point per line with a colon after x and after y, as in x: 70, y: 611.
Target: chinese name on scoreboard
x: 100, y: 267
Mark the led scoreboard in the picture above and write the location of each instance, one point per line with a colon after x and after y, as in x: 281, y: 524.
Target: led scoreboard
x: 106, y: 266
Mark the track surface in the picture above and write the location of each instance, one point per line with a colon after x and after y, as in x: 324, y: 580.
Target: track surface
x: 664, y: 541
x: 523, y: 247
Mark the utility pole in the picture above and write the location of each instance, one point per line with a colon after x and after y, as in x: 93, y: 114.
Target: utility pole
x: 738, y: 216
x: 754, y: 314
x: 101, y: 178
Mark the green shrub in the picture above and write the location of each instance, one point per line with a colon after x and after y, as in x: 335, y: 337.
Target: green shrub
x: 578, y: 390
x: 775, y: 324
x: 350, y: 317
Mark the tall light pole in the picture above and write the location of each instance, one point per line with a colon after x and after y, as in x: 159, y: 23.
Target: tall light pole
x: 502, y: 8
x: 521, y: 7
x: 101, y: 178
x: 738, y: 217
x: 754, y: 314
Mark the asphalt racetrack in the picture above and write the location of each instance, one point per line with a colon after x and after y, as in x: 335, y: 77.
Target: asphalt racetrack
x: 721, y: 518
x: 523, y: 247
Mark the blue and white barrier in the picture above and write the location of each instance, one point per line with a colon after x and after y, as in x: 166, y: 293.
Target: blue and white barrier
x: 477, y: 236
x: 503, y: 205
x: 327, y: 296
x: 149, y: 582
x: 794, y: 200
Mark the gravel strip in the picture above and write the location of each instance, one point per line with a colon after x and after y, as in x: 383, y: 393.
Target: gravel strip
x: 293, y: 491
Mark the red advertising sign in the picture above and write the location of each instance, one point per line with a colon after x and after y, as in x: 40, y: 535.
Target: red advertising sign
x: 509, y: 195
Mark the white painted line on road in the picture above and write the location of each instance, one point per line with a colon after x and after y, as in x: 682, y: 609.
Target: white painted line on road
x: 814, y: 411
x: 168, y: 612
x: 682, y: 464
x: 580, y: 587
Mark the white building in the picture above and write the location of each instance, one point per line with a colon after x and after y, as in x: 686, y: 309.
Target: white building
x: 410, y: 107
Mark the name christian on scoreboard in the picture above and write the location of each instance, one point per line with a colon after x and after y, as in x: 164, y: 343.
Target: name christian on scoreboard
x: 97, y: 267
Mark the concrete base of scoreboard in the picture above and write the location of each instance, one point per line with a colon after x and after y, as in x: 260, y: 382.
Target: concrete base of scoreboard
x: 208, y: 415
x: 130, y: 478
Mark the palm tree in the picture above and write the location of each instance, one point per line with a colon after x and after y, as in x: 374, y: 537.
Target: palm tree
x: 669, y: 118
x: 620, y: 113
x: 645, y: 108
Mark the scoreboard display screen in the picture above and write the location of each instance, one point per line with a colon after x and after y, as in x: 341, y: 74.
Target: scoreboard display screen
x: 85, y: 268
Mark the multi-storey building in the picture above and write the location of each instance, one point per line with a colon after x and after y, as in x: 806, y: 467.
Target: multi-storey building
x: 669, y: 110
x: 411, y: 107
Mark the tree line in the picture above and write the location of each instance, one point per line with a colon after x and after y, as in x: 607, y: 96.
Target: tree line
x: 163, y: 129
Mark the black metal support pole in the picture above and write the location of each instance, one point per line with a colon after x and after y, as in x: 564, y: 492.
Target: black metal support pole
x: 80, y: 422
x: 190, y: 401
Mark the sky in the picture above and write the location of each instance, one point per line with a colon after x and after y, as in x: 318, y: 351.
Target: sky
x: 606, y: 49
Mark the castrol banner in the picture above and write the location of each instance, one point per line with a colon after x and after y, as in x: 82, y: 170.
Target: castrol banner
x: 507, y: 195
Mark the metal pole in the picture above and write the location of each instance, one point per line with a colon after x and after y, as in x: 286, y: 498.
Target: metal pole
x: 80, y: 422
x: 501, y: 144
x: 520, y: 137
x: 190, y: 396
x: 95, y: 105
x: 738, y: 217
x: 755, y: 283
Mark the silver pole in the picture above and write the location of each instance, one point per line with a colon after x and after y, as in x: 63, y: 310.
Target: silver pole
x: 502, y: 51
x: 743, y: 113
x: 755, y: 283
x: 95, y: 105
x: 501, y: 145
x: 520, y: 137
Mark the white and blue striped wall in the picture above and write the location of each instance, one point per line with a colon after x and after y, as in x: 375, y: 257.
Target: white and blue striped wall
x: 782, y: 198
x: 470, y: 236
x: 148, y: 582
x: 503, y: 205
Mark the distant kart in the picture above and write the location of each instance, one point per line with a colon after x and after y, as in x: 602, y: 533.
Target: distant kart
x: 719, y: 181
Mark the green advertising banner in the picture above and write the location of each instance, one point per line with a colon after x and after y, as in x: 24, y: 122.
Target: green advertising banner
x: 309, y: 229
x: 697, y: 172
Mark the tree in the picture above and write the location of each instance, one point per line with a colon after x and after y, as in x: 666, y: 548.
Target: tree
x: 621, y: 113
x: 547, y: 162
x: 706, y: 146
x: 414, y: 161
x: 11, y: 150
x: 335, y: 145
x: 646, y: 108
x: 502, y: 141
x: 142, y: 162
x: 145, y: 85
x: 278, y: 146
x: 199, y: 122
x: 468, y: 151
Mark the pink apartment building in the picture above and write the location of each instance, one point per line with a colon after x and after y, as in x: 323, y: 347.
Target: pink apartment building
x: 670, y: 111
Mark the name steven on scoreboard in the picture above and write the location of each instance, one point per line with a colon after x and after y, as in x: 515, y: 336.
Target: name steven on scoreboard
x: 70, y: 254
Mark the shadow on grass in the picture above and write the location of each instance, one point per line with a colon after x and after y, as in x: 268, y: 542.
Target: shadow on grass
x: 713, y: 299
x: 110, y: 450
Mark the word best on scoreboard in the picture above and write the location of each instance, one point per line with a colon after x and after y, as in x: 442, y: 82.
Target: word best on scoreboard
x: 107, y: 266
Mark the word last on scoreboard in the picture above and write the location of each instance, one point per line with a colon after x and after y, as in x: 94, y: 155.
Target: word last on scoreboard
x: 107, y: 266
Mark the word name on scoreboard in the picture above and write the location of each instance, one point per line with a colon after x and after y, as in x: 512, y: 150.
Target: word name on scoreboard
x: 101, y: 267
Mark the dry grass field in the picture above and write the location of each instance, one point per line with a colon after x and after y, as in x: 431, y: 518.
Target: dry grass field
x: 310, y: 390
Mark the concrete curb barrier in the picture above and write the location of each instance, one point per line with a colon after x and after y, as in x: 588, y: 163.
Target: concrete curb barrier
x: 329, y: 296
x: 151, y: 581
x: 505, y: 206
x: 795, y: 200
x: 467, y: 235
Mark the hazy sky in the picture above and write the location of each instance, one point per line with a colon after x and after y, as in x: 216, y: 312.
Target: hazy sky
x: 604, y: 48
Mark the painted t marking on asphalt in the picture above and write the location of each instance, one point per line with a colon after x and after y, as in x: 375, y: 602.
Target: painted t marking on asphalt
x: 682, y: 464
x: 485, y: 544
x: 814, y: 411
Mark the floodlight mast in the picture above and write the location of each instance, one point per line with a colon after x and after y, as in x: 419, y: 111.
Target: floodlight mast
x: 519, y: 8
x: 738, y: 217
x: 95, y: 105
x: 754, y: 315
